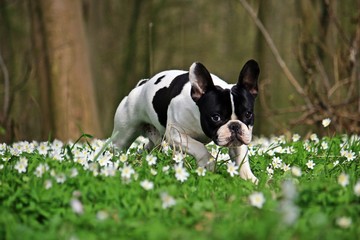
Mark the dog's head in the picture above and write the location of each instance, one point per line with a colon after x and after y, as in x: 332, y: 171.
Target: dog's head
x: 226, y: 114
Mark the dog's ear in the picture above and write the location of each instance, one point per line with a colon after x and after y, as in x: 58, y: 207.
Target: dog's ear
x: 200, y: 80
x: 248, y: 77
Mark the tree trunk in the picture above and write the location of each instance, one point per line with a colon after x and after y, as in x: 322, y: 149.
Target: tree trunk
x: 67, y: 93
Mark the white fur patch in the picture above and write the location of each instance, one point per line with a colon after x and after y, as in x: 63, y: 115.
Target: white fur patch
x: 233, y: 115
x: 226, y: 138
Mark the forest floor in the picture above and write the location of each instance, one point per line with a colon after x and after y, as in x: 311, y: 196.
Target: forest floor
x: 308, y: 189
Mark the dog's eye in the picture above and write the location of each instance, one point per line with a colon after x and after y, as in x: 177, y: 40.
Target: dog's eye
x: 216, y: 118
x: 248, y: 115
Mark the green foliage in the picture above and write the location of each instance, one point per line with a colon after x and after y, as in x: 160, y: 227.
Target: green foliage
x: 88, y: 191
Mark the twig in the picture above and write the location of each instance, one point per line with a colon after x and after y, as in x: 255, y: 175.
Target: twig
x: 6, y: 90
x: 274, y: 50
x: 320, y: 67
x: 337, y: 86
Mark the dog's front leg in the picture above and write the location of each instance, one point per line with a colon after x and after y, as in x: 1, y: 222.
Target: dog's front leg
x: 193, y: 147
x: 240, y: 155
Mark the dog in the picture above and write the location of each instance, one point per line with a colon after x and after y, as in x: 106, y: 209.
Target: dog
x: 192, y: 109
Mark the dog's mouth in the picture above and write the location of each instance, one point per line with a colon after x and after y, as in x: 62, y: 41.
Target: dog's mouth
x: 233, y: 134
x: 235, y: 140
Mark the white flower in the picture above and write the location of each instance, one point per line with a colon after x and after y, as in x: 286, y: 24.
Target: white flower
x: 60, y: 178
x: 3, y: 147
x: 76, y: 206
x: 57, y: 155
x: 279, y: 149
x: 147, y: 185
x: 357, y: 188
x: 123, y: 158
x: 178, y: 158
x: 257, y: 199
x: 261, y: 151
x: 102, y: 215
x: 232, y: 169
x: 136, y: 176
x: 43, y: 148
x: 93, y: 167
x: 28, y: 147
x: 314, y: 137
x: 326, y: 122
x: 290, y: 212
x: 279, y: 139
x: 324, y: 145
x: 289, y: 150
x: 270, y: 170
x: 214, y: 150
x: 57, y: 144
x: 252, y: 151
x: 296, y: 171
x: 295, y: 137
x: 165, y: 146
x: 167, y: 200
x: 41, y: 169
x: 104, y: 159
x: 127, y: 171
x: 307, y: 146
x: 343, y: 179
x: 165, y: 169
x: 276, y: 162
x: 289, y: 190
x: 108, y: 171
x: 349, y: 155
x: 47, y: 184
x: 201, y: 171
x: 336, y: 163
x: 285, y: 167
x: 343, y: 222
x: 52, y: 173
x: 310, y: 164
x: 180, y: 173
x: 80, y: 157
x: 270, y: 152
x: 21, y: 165
x: 153, y: 172
x: 151, y: 159
x: 74, y: 172
x: 211, y: 159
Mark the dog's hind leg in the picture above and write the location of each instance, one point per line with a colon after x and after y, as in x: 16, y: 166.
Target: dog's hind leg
x: 153, y: 135
x: 126, y: 126
x: 123, y: 137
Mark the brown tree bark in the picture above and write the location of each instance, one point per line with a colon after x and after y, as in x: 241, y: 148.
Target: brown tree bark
x: 62, y: 60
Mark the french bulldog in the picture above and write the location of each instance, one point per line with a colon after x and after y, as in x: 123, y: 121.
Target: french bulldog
x: 192, y: 109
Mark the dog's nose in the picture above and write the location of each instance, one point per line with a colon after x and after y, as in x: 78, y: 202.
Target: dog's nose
x: 234, y: 127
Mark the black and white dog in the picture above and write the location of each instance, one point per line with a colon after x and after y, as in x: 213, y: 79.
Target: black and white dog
x: 191, y: 109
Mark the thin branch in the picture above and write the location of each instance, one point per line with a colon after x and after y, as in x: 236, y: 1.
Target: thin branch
x: 274, y: 50
x: 6, y: 89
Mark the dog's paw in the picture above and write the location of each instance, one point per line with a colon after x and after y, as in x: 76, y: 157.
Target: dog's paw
x: 249, y: 176
x: 210, y: 165
x: 254, y: 180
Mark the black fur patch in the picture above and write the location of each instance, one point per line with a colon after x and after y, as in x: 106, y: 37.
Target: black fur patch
x: 141, y: 82
x: 164, y: 95
x: 159, y: 79
x: 244, y: 104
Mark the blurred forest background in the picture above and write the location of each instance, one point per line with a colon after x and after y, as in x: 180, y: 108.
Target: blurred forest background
x: 66, y: 64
